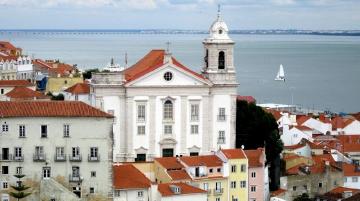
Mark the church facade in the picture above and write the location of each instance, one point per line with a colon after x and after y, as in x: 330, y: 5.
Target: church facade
x: 163, y: 108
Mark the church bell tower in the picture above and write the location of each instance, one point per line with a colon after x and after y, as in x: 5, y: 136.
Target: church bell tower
x: 219, y: 54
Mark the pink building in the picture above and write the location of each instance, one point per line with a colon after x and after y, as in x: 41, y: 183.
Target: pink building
x: 258, y: 175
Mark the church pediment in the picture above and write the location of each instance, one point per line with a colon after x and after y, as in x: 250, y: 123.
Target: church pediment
x: 168, y: 141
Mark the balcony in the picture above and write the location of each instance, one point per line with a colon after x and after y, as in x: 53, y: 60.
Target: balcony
x: 94, y: 158
x: 75, y: 178
x: 59, y: 158
x: 218, y: 191
x: 221, y: 141
x: 5, y: 157
x: 76, y: 158
x: 39, y: 157
x: 18, y: 158
x: 221, y: 118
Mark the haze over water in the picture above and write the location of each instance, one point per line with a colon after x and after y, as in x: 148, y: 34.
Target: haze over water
x: 322, y: 72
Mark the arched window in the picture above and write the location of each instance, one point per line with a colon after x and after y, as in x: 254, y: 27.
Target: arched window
x: 221, y: 60
x: 168, y: 110
x: 206, y: 58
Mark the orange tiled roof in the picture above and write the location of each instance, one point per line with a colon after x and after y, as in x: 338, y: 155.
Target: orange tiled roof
x: 302, y: 119
x: 165, y: 190
x: 254, y: 157
x: 8, y: 58
x: 303, y: 128
x: 350, y: 170
x: 177, y: 175
x: 169, y: 163
x: 79, y: 88
x: 249, y: 99
x: 206, y: 160
x: 295, y: 146
x: 7, y: 46
x: 338, y: 192
x: 49, y: 109
x: 276, y: 114
x: 24, y: 92
x: 350, y: 143
x: 128, y: 177
x: 153, y: 60
x: 357, y: 116
x: 337, y: 122
x: 234, y: 153
x: 278, y: 192
x: 13, y: 83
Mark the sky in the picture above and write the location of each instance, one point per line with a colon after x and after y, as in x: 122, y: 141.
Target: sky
x: 179, y: 14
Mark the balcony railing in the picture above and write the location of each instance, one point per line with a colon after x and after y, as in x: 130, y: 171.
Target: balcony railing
x: 221, y: 141
x: 18, y: 158
x: 5, y: 157
x: 218, y: 191
x: 39, y: 157
x: 60, y: 158
x: 75, y: 178
x: 93, y: 158
x: 221, y: 118
x: 75, y: 158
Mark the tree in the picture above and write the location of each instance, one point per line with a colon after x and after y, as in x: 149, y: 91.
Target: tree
x: 87, y: 73
x: 19, y: 188
x: 59, y: 97
x: 303, y: 197
x: 256, y: 128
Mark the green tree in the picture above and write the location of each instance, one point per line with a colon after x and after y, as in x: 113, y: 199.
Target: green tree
x: 59, y: 97
x: 87, y: 73
x: 303, y: 197
x: 20, y: 188
x: 256, y: 128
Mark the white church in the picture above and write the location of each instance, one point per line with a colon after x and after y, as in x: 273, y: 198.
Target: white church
x: 164, y: 108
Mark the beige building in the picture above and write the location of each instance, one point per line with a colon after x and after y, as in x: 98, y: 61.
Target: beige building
x: 66, y: 144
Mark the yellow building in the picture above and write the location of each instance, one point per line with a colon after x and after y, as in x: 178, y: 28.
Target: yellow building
x: 59, y: 84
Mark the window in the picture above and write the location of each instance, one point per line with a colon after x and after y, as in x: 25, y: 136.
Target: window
x: 141, y: 130
x: 354, y: 179
x: 140, y: 193
x: 218, y: 186
x: 140, y: 157
x: 221, y: 138
x: 294, y: 188
x: 43, y: 130
x: 194, y: 153
x: 243, y: 168
x: 2, y: 91
x: 305, y: 187
x: 5, y: 185
x: 92, y: 190
x: 194, y: 129
x: 221, y: 115
x: 233, y: 184
x: 205, y: 186
x: 141, y: 113
x: 320, y: 185
x: 60, y: 153
x: 39, y: 153
x: 345, y: 179
x: 168, y: 110
x: 168, y: 76
x: 93, y: 152
x: 221, y: 60
x: 18, y: 170
x: 93, y: 173
x: 66, y: 130
x: 18, y: 153
x: 211, y: 170
x: 253, y: 174
x: 46, y: 172
x: 194, y: 112
x: 21, y: 130
x: 242, y: 184
x: 253, y: 188
x: 5, y: 127
x: 219, y: 170
x: 117, y: 193
x: 75, y: 151
x: 76, y: 97
x: 217, y: 199
x: 168, y: 152
x: 168, y: 129
x: 233, y: 168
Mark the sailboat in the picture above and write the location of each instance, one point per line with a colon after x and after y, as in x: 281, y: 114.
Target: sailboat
x: 280, y: 75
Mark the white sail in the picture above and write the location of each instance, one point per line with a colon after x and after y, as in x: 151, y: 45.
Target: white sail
x: 281, y: 74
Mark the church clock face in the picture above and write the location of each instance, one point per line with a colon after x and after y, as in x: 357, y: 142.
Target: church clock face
x: 168, y: 76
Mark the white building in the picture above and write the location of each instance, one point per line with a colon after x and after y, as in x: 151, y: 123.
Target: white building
x: 25, y: 68
x: 163, y: 108
x: 180, y: 192
x: 8, y: 85
x: 78, y: 92
x: 351, y: 175
x: 62, y: 141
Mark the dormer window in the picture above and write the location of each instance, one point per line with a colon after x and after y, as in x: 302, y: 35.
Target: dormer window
x: 220, y: 31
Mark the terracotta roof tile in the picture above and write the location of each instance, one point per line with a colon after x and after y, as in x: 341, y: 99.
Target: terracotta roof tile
x: 255, y: 157
x: 128, y: 177
x: 206, y: 160
x: 165, y: 190
x: 351, y: 170
x: 234, y: 153
x: 303, y: 128
x: 79, y: 88
x: 49, y: 109
x: 25, y: 93
x: 170, y: 163
x: 177, y: 175
x: 249, y: 99
x: 302, y: 119
x: 278, y: 192
x: 7, y: 45
x: 153, y: 60
x: 295, y: 146
x: 14, y: 83
x: 337, y: 193
x: 276, y: 114
x: 357, y: 116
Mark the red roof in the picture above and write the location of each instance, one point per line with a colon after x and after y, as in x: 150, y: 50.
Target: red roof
x: 357, y: 116
x: 234, y: 153
x: 206, y: 160
x: 153, y: 60
x: 248, y: 99
x: 351, y: 170
x: 8, y: 58
x: 350, y: 143
x: 177, y: 175
x: 14, y: 83
x: 79, y: 88
x: 337, y: 193
x: 169, y: 163
x: 295, y: 146
x: 165, y: 189
x: 129, y: 177
x: 278, y: 192
x: 4, y: 45
x: 49, y: 109
x: 337, y: 122
x: 302, y: 119
x: 255, y: 157
x: 276, y: 114
x: 303, y: 128
x: 24, y: 92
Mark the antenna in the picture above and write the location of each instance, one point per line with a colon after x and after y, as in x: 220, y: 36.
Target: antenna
x: 168, y: 47
x: 126, y: 59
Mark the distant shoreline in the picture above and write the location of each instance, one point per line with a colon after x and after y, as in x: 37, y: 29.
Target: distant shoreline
x: 173, y: 31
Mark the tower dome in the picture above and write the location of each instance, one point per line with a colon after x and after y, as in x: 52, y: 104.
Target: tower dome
x: 219, y: 31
